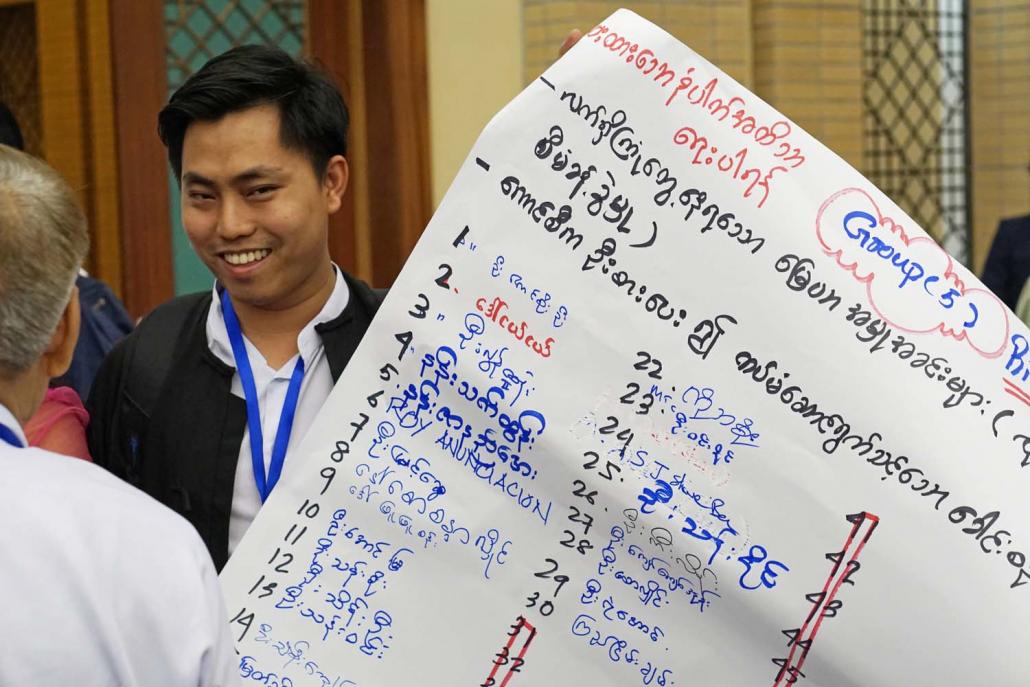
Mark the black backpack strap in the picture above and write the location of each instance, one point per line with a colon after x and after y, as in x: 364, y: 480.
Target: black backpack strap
x: 156, y: 338
x: 144, y: 370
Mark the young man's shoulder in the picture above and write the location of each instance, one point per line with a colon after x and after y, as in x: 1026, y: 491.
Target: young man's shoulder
x: 140, y: 362
x: 166, y: 321
x: 368, y: 296
x: 158, y: 333
x: 131, y: 377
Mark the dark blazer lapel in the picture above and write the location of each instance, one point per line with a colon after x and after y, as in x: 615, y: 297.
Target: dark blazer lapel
x: 342, y: 335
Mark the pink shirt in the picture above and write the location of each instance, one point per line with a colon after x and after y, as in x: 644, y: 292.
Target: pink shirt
x: 59, y: 424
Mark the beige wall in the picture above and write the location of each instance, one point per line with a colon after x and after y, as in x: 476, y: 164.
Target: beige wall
x: 718, y: 30
x: 483, y: 52
x: 803, y: 57
x: 808, y: 65
x: 475, y: 68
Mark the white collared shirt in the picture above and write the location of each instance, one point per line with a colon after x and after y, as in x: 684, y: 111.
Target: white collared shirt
x: 105, y: 586
x: 271, y: 388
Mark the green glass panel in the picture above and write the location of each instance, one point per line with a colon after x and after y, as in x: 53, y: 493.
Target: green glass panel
x: 291, y: 44
x: 236, y: 23
x: 200, y: 22
x: 218, y: 44
x: 190, y: 273
x: 272, y: 24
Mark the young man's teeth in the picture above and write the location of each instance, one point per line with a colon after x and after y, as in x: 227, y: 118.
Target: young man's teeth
x: 245, y: 258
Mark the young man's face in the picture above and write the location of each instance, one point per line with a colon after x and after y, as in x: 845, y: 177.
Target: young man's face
x: 255, y: 212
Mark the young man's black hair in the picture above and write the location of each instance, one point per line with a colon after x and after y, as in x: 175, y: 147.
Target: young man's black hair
x: 313, y: 116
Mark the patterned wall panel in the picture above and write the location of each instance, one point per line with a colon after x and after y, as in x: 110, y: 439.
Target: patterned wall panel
x: 19, y: 72
x: 915, y: 122
x: 198, y: 30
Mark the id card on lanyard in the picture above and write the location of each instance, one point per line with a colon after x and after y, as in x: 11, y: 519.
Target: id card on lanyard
x: 265, y: 484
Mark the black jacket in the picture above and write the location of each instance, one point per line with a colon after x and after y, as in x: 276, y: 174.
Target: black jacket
x: 1008, y: 264
x: 182, y: 445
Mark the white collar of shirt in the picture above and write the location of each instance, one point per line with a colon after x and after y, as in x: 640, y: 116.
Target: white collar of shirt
x: 8, y: 420
x: 309, y: 343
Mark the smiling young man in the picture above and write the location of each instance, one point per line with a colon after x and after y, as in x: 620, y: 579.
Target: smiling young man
x: 203, y: 404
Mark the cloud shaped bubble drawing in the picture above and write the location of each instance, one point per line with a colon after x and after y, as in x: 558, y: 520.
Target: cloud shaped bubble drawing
x: 912, y: 283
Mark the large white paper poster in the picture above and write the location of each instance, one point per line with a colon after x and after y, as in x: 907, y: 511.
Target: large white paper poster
x: 667, y: 394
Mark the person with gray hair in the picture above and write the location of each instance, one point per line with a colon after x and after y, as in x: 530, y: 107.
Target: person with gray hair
x: 106, y: 586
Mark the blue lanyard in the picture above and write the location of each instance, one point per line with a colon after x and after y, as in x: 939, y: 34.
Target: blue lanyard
x: 282, y: 434
x: 8, y: 436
